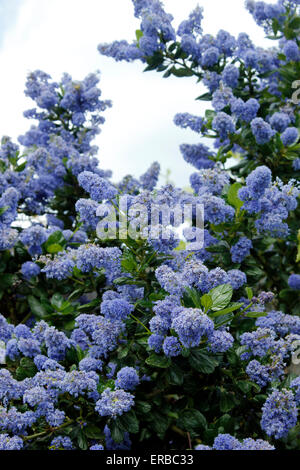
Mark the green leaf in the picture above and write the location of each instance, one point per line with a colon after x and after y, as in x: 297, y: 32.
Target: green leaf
x: 206, y: 301
x: 210, y: 114
x: 155, y: 296
x: 3, y: 209
x: 182, y: 72
x: 57, y: 300
x: 143, y: 407
x: 26, y: 369
x: 2, y: 266
x: 221, y: 296
x: 154, y: 61
x: 93, y: 432
x: 176, y: 375
x: 295, y: 23
x: 227, y: 402
x: 117, y: 433
x: 256, y: 314
x: 245, y: 386
x: 226, y: 422
x: 221, y: 247
x: 223, y: 320
x: 159, y: 423
x: 21, y: 167
x: 229, y: 309
x: 202, y: 362
x: 7, y: 280
x: 191, y: 420
x: 139, y: 34
x: 82, y: 441
x: 254, y: 271
x: 90, y: 306
x: 158, y: 361
x: 249, y: 293
x: 275, y: 25
x: 73, y: 355
x: 232, y: 195
x: 54, y: 248
x: 205, y: 97
x: 56, y: 239
x: 76, y: 293
x: 129, y: 422
x: 122, y: 281
x: 70, y: 325
x: 192, y: 298
x: 167, y: 73
x: 123, y: 352
x: 36, y: 307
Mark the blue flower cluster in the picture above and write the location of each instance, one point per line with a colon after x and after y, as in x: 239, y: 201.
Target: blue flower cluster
x: 279, y: 414
x: 272, y: 202
x: 271, y: 346
x: 228, y: 442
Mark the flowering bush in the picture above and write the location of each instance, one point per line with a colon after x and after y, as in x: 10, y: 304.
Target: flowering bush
x: 169, y: 336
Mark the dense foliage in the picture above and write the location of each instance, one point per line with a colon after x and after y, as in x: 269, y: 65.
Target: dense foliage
x: 117, y: 341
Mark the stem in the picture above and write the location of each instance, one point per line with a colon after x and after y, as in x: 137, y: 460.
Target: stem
x: 182, y: 64
x: 43, y: 433
x: 139, y: 321
x: 147, y: 261
x: 245, y: 309
x: 26, y: 318
x: 190, y: 441
x: 153, y: 394
x: 178, y: 431
x: 76, y: 280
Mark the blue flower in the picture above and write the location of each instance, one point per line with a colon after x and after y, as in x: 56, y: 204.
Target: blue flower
x: 150, y: 178
x: 237, y: 278
x: 241, y: 250
x: 10, y: 443
x: 258, y: 181
x: 210, y: 57
x: 291, y: 51
x: 280, y: 121
x: 294, y: 281
x: 197, y: 155
x: 127, y: 379
x: 220, y: 341
x: 186, y: 120
x: 172, y: 347
x: 279, y: 414
x: 223, y: 124
x: 30, y: 270
x: 192, y: 24
x: 99, y: 188
x: 230, y: 76
x: 61, y: 443
x: 114, y: 403
x: 289, y: 136
x: 262, y: 131
x: 191, y: 325
x: 258, y: 373
x: 155, y: 342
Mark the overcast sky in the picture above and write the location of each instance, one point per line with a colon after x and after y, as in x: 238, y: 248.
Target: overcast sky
x: 62, y: 36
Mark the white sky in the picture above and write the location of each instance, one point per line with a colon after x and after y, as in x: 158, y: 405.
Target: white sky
x: 62, y: 36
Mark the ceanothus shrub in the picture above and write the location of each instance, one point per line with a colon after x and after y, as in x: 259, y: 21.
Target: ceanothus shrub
x: 117, y: 342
